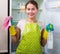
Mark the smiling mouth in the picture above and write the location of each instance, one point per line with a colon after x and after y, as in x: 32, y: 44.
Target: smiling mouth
x: 31, y: 14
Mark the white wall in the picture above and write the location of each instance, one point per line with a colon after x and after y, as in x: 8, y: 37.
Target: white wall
x: 3, y: 33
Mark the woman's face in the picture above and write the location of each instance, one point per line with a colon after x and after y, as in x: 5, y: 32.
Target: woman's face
x: 31, y: 10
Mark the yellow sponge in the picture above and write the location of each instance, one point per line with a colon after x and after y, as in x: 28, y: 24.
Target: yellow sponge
x: 12, y: 31
x: 45, y: 34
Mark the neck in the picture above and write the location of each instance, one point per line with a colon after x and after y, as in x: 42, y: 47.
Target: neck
x: 33, y: 20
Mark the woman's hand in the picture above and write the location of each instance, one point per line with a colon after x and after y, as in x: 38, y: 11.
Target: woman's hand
x: 17, y: 36
x: 12, y: 31
x: 43, y: 38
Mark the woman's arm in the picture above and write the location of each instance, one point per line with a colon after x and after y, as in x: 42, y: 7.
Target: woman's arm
x: 16, y: 37
x: 43, y: 41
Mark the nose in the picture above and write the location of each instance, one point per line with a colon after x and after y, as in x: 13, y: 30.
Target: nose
x: 30, y: 10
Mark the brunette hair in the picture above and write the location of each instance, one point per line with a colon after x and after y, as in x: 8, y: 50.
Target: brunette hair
x: 32, y: 2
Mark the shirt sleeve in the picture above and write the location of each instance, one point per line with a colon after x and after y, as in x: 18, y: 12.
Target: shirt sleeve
x: 42, y: 25
x: 21, y: 24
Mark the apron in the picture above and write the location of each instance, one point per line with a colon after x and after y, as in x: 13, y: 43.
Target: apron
x: 30, y: 42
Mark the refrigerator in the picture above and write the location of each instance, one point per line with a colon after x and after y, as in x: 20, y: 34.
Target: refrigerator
x: 49, y: 12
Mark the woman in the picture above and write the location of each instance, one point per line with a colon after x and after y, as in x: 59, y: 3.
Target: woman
x: 29, y: 32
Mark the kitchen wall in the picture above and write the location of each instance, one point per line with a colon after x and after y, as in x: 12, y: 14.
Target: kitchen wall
x: 3, y: 33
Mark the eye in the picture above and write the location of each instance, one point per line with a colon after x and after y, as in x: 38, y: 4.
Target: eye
x: 33, y: 8
x: 28, y: 8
